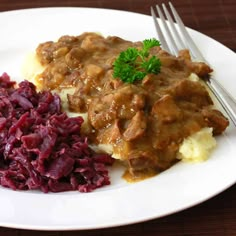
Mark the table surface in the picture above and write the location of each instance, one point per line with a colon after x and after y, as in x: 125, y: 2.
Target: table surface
x: 217, y: 216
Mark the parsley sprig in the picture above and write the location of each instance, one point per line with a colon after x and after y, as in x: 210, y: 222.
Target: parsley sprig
x: 133, y: 64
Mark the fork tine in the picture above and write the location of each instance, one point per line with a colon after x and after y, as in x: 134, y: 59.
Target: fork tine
x: 173, y: 27
x: 174, y: 48
x: 159, y: 32
x: 189, y: 41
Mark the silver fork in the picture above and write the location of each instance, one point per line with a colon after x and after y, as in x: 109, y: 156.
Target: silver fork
x: 175, y: 37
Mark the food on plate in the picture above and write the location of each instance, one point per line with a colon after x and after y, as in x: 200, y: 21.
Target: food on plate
x: 148, y: 121
x: 197, y: 146
x: 41, y: 147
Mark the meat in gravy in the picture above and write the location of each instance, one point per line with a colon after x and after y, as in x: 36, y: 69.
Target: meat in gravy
x: 145, y: 122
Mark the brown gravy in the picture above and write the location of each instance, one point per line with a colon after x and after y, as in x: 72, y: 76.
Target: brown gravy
x: 145, y: 122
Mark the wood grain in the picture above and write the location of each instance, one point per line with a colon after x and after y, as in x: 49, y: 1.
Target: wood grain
x: 215, y: 18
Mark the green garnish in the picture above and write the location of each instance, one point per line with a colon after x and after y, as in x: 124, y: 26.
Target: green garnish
x: 133, y: 64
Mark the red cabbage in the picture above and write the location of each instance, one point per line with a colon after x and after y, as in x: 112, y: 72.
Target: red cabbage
x: 41, y: 147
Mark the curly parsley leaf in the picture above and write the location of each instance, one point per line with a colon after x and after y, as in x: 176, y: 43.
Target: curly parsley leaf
x: 153, y: 65
x: 133, y: 64
x: 148, y: 44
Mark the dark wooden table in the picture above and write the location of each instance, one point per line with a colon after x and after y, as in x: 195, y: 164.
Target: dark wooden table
x: 217, y: 216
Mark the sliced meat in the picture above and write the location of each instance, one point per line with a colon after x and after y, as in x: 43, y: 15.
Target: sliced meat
x: 163, y: 114
x: 136, y: 127
x: 110, y: 134
x: 100, y: 112
x: 122, y: 103
x: 76, y: 103
x: 191, y: 91
x: 199, y: 68
x: 216, y: 120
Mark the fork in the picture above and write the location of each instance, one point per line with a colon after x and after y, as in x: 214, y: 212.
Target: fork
x: 175, y: 37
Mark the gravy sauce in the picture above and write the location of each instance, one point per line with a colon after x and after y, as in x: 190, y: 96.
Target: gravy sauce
x: 145, y: 122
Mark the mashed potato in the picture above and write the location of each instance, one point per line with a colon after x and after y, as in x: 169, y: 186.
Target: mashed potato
x: 197, y: 147
x: 31, y: 68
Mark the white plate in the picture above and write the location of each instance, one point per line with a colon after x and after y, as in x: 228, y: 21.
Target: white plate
x: 178, y: 188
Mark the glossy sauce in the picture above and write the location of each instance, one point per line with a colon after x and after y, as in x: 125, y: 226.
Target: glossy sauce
x: 145, y: 122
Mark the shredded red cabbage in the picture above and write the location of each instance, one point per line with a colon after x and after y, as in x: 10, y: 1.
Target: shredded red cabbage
x: 41, y: 147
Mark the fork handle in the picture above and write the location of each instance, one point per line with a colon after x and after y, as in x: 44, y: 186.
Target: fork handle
x: 224, y: 98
